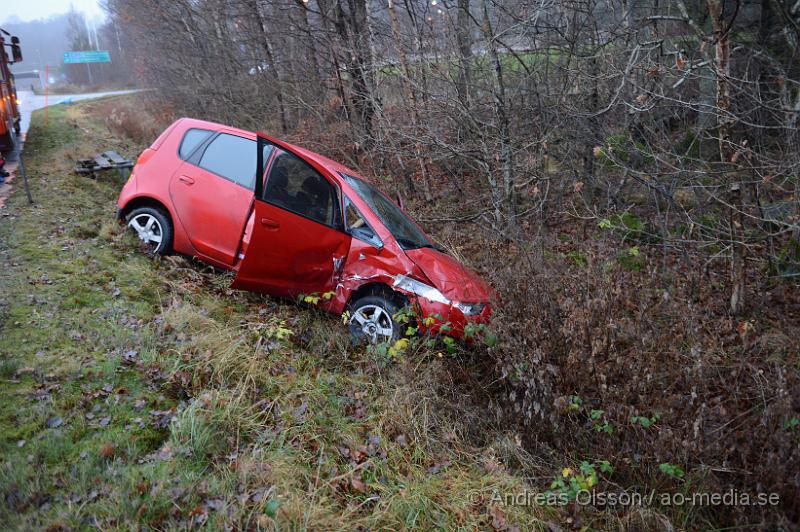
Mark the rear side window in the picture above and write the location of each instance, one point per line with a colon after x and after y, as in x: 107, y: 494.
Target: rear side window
x: 233, y: 158
x: 191, y: 140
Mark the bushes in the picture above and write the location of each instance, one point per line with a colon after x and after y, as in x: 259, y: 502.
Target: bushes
x: 139, y: 118
x: 606, y: 362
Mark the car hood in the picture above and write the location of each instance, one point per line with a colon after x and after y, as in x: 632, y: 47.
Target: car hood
x: 453, y: 279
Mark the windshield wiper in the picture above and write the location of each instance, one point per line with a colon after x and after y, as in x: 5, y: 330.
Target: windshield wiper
x: 406, y: 243
x: 410, y: 244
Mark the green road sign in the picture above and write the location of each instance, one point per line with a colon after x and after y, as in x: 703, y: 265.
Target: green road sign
x: 91, y: 56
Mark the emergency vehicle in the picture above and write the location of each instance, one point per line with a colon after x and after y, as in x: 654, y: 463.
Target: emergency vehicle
x: 10, y: 53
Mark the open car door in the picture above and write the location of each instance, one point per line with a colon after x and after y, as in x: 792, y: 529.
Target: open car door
x: 298, y: 244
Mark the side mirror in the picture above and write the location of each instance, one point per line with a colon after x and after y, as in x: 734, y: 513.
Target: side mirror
x: 16, y: 51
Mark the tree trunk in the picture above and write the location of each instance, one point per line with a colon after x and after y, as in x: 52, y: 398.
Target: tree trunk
x: 722, y: 70
x: 272, y: 66
x: 503, y: 126
x: 361, y: 61
x: 464, y: 41
x: 409, y: 87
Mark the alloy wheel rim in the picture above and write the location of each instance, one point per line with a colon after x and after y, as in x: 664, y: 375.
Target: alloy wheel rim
x: 374, y: 322
x: 147, y: 228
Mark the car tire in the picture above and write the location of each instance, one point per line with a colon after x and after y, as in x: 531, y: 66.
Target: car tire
x: 153, y: 227
x: 372, y: 320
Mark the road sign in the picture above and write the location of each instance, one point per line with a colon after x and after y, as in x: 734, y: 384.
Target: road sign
x: 91, y: 56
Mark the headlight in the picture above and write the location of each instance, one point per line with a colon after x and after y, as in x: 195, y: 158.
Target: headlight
x: 469, y: 309
x: 403, y: 282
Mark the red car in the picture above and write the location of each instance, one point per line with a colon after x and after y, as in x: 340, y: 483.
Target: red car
x: 311, y: 226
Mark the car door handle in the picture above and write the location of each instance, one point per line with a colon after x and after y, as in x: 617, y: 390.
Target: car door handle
x: 271, y: 224
x: 186, y: 179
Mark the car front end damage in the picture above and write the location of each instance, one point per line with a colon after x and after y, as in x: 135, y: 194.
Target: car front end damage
x: 436, y: 313
x: 447, y: 301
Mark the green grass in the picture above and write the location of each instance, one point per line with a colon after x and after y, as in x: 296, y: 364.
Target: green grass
x: 144, y: 393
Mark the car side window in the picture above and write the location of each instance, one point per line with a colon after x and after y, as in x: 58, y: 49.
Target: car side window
x: 191, y: 140
x: 233, y: 158
x: 358, y: 226
x: 295, y: 186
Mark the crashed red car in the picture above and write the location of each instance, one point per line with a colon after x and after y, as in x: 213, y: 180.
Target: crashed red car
x: 309, y: 226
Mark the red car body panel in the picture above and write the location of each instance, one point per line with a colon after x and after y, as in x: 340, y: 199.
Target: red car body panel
x: 213, y: 208
x: 453, y: 279
x: 290, y: 255
x: 276, y: 251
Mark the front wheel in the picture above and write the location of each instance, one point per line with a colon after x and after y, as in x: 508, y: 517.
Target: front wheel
x: 153, y: 227
x: 372, y: 320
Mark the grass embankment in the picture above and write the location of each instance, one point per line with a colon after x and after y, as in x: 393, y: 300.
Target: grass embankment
x: 144, y: 392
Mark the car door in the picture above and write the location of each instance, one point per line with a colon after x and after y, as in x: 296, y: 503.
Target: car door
x: 212, y: 192
x: 298, y: 244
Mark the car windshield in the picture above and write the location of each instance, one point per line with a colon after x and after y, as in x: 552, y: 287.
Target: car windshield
x: 404, y: 230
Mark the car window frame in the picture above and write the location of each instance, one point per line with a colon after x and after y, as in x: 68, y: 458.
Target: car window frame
x: 269, y: 164
x: 200, y: 151
x: 212, y: 134
x: 350, y: 203
x: 346, y: 177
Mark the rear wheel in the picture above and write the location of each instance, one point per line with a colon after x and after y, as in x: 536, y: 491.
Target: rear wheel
x: 372, y: 320
x: 153, y: 227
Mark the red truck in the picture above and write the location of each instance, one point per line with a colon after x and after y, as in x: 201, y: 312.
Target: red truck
x: 9, y: 111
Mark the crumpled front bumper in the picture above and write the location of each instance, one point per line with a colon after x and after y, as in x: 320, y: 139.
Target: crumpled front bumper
x: 434, y: 317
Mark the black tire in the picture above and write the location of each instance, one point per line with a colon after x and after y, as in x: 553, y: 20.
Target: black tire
x: 366, y: 308
x: 160, y: 228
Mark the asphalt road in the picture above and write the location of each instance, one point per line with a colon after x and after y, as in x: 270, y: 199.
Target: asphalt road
x: 30, y: 102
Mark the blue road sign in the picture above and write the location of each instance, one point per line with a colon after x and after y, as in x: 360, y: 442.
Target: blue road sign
x: 91, y: 56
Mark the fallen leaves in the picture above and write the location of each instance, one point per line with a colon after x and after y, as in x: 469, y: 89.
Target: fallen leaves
x: 107, y: 450
x: 130, y: 357
x: 162, y: 418
x: 440, y: 466
x: 358, y: 485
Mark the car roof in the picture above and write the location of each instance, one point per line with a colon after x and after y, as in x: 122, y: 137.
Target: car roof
x: 329, y: 164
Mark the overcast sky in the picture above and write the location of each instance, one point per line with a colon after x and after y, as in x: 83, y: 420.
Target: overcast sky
x: 35, y: 9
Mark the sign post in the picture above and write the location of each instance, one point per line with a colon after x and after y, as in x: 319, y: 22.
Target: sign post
x: 87, y: 57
